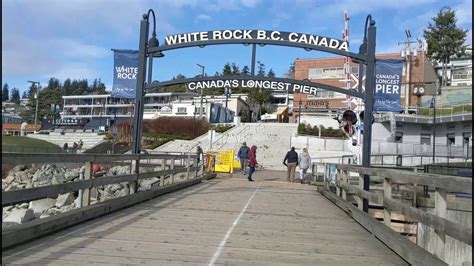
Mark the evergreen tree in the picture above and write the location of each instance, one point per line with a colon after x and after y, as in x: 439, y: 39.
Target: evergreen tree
x: 245, y: 71
x: 235, y: 70
x: 67, y: 90
x: 271, y: 74
x: 444, y: 38
x: 5, y: 93
x: 290, y: 74
x: 24, y: 95
x: 15, y: 96
x: 261, y: 69
x: 227, y: 70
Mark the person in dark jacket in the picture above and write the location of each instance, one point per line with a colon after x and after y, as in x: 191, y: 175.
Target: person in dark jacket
x: 243, y: 155
x: 199, y: 153
x: 291, y: 161
x: 252, y: 161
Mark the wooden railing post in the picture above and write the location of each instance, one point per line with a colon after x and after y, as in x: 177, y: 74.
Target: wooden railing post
x: 188, y: 165
x: 172, y: 167
x: 360, y: 200
x: 135, y: 169
x: 338, y: 188
x: 162, y: 167
x: 86, y: 194
x: 440, y: 211
x: 387, y: 193
x: 344, y: 182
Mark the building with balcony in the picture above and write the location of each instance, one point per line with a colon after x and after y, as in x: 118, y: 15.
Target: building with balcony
x: 106, y: 106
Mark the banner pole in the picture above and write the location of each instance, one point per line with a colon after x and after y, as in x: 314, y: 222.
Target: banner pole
x: 369, y: 104
x: 138, y: 112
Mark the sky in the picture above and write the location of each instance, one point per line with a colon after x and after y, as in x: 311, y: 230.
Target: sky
x: 73, y: 39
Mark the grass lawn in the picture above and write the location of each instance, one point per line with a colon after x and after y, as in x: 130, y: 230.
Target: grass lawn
x: 28, y: 145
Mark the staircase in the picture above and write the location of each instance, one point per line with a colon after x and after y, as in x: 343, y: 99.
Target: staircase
x: 89, y: 139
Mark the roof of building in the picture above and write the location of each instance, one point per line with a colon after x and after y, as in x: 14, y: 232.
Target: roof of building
x: 152, y: 94
x: 6, y: 127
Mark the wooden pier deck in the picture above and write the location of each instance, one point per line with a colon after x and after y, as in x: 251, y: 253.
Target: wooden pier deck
x: 223, y: 221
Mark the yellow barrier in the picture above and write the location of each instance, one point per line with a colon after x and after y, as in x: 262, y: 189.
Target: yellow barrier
x: 225, y: 162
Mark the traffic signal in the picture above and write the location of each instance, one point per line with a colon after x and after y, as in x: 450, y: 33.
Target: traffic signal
x: 347, y: 122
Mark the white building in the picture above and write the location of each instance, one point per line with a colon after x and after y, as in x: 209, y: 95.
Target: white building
x: 98, y: 106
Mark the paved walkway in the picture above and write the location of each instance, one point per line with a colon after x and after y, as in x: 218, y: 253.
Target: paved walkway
x: 227, y: 220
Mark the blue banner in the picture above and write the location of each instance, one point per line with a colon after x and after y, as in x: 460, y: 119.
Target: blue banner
x: 125, y: 73
x: 388, y: 85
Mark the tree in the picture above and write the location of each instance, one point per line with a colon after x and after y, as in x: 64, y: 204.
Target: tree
x: 227, y: 70
x: 260, y: 97
x: 235, y: 70
x: 24, y: 95
x: 15, y: 96
x: 67, y: 89
x: 245, y: 71
x: 290, y: 74
x: 444, y: 38
x: 261, y: 69
x: 5, y: 93
x: 271, y: 74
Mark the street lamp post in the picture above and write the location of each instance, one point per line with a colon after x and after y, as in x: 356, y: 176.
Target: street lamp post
x: 194, y: 120
x: 202, y: 75
x: 433, y: 105
x: 36, y: 97
x: 299, y: 115
x: 228, y: 91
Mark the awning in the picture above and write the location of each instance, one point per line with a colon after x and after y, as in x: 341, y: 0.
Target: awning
x: 282, y: 110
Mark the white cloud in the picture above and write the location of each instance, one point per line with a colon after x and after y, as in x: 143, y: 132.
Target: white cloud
x: 469, y: 37
x: 249, y: 3
x: 464, y: 12
x: 203, y: 17
x: 76, y: 70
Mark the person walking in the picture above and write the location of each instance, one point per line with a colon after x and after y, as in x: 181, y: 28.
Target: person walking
x: 291, y: 161
x: 199, y: 153
x: 243, y: 155
x: 304, y: 162
x: 252, y: 161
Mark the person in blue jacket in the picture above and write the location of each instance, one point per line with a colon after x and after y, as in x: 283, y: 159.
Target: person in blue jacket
x: 243, y: 155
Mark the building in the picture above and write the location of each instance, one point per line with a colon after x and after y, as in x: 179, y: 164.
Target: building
x: 330, y: 71
x: 213, y: 108
x: 101, y: 106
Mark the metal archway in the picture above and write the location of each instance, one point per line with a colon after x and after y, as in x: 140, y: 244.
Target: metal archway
x: 366, y: 56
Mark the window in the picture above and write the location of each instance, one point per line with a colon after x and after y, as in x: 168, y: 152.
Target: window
x: 314, y: 73
x: 465, y: 138
x: 451, y: 139
x: 425, y: 139
x: 181, y: 110
x: 326, y: 73
x: 462, y: 74
x: 398, y: 137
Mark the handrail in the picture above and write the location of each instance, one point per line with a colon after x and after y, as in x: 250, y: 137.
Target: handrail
x: 442, y: 185
x: 10, y: 157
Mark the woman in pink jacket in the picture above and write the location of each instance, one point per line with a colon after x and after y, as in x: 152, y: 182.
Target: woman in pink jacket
x: 252, y: 161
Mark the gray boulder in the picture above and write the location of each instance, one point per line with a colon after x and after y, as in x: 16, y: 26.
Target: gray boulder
x: 20, y: 216
x: 64, y: 199
x: 40, y: 206
x: 18, y: 168
x: 22, y: 177
x: 148, y: 183
x: 9, y: 179
x: 70, y: 174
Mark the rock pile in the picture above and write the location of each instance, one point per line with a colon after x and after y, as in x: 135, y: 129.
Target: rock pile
x: 22, y: 177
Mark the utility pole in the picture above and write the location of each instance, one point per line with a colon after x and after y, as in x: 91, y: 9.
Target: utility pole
x: 36, y: 97
x: 407, y: 54
x: 433, y: 105
x: 202, y: 76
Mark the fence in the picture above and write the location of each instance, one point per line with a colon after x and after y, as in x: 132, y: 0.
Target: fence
x: 24, y: 149
x: 451, y: 241
x: 168, y: 171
